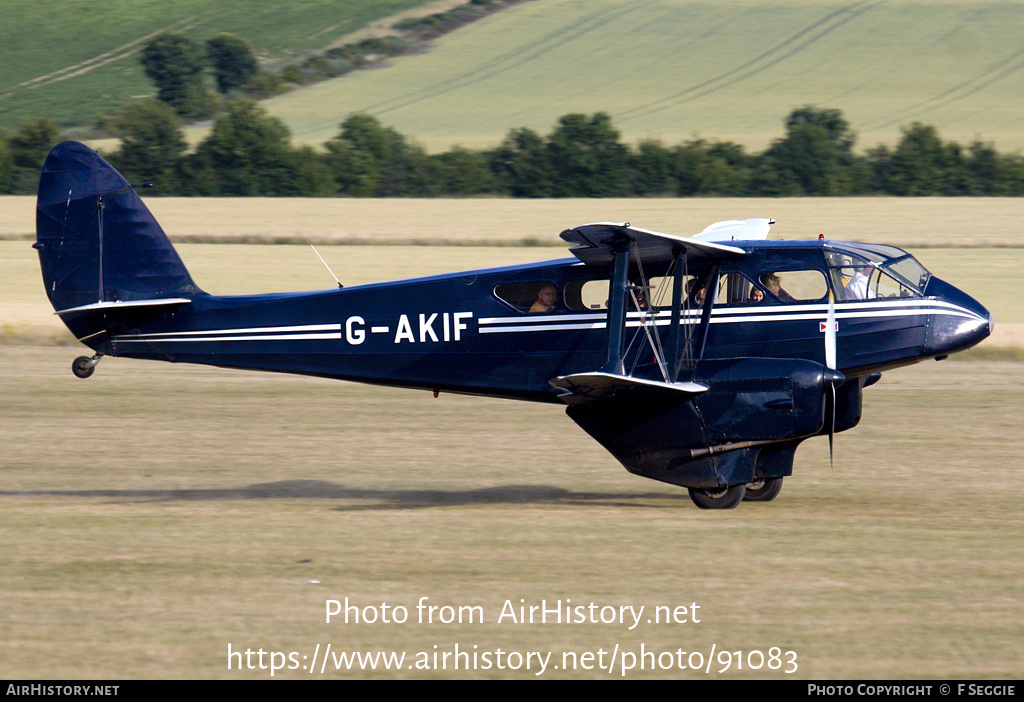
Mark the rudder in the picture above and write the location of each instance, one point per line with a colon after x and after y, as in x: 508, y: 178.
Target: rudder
x: 133, y: 260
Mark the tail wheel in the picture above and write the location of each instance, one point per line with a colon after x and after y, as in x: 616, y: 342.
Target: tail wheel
x: 718, y: 498
x: 763, y: 489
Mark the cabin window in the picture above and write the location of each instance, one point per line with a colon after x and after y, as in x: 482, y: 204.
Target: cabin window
x: 592, y: 295
x: 657, y: 293
x: 737, y: 289
x: 883, y: 285
x: 794, y: 286
x: 586, y: 295
x: 536, y: 296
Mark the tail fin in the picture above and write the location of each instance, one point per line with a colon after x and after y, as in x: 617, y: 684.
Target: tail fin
x: 98, y: 243
x: 81, y: 198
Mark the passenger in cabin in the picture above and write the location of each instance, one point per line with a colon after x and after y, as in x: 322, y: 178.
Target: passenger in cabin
x: 641, y: 299
x: 697, y: 297
x: 547, y: 299
x: 755, y: 294
x: 774, y: 285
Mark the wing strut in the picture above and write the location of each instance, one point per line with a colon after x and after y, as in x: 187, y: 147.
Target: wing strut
x: 617, y: 309
x: 674, y: 329
x: 684, y: 352
x: 605, y: 243
x: 710, y: 293
x: 648, y: 317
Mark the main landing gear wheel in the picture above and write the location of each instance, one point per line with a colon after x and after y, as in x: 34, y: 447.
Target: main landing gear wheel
x: 763, y: 489
x: 718, y: 498
x: 83, y: 366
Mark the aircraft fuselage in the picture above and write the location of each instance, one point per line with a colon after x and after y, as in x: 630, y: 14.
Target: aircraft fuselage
x: 456, y: 333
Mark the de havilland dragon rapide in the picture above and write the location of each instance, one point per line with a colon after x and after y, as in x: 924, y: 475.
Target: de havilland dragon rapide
x: 702, y: 361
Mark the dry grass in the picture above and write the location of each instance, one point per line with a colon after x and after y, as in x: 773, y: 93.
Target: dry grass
x: 908, y: 222
x: 974, y: 243
x: 155, y: 514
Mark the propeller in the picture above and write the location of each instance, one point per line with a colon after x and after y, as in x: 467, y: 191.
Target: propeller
x: 834, y: 377
x: 830, y: 334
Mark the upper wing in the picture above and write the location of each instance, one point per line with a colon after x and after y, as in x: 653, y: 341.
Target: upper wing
x: 596, y: 244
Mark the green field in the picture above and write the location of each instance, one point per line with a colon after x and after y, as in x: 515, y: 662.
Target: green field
x: 669, y: 70
x: 157, y: 514
x: 665, y: 69
x: 81, y: 61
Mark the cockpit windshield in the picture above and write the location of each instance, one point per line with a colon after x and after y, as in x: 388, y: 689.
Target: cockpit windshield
x: 907, y: 269
x: 868, y: 271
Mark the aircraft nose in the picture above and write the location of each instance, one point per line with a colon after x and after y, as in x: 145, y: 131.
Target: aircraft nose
x: 962, y: 322
x: 982, y: 329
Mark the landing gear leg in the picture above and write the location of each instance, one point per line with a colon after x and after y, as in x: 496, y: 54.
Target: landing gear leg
x: 718, y: 498
x: 83, y: 366
x: 763, y: 489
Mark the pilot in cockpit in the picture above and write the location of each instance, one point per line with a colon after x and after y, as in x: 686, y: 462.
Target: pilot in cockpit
x: 857, y: 288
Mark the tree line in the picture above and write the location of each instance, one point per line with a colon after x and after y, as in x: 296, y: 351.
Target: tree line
x: 249, y: 152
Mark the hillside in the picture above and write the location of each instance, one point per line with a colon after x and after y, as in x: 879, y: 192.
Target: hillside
x: 670, y: 69
x: 82, y: 61
x: 666, y: 69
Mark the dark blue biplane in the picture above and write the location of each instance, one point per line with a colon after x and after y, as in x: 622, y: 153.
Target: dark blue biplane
x: 701, y: 361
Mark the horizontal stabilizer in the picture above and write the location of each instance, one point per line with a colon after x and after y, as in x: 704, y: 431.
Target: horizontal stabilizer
x: 122, y: 304
x: 599, y: 385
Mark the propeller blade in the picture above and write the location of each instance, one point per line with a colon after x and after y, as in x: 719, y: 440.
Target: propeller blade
x: 832, y: 429
x: 830, y: 334
x: 830, y: 362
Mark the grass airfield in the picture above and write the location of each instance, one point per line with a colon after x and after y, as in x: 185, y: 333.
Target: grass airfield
x: 157, y: 514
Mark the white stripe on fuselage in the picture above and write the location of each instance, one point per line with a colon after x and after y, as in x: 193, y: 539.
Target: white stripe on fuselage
x: 306, y: 331
x: 729, y: 315
x: 588, y: 321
